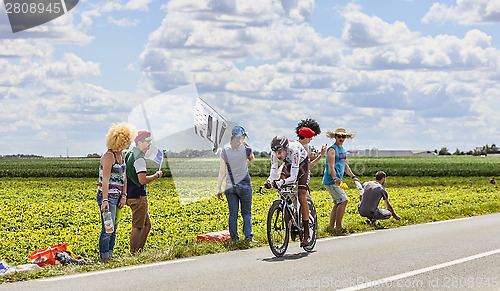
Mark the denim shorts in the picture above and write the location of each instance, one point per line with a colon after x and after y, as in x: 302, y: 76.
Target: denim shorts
x: 381, y: 214
x: 337, y: 193
x: 376, y: 213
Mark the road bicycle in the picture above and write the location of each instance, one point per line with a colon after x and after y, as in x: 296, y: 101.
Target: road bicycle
x: 283, y: 221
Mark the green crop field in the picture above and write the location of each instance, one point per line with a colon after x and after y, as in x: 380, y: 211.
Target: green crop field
x: 20, y: 167
x: 434, y: 166
x: 44, y: 207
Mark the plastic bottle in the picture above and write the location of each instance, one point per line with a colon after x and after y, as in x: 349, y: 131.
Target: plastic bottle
x: 360, y: 188
x: 108, y: 222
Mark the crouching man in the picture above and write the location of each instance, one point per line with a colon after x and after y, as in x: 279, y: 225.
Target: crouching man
x: 373, y: 192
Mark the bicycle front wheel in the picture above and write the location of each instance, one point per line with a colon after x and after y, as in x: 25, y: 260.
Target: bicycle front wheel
x: 313, y: 226
x: 277, y: 229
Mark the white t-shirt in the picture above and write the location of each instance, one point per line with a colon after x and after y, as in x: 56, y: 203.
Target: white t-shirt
x: 140, y: 165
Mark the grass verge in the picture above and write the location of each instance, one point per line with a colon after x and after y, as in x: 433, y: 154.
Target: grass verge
x: 39, y: 212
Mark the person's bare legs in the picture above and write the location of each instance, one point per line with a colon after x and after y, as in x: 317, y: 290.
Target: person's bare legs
x: 339, y: 215
x: 304, y: 209
x: 333, y: 215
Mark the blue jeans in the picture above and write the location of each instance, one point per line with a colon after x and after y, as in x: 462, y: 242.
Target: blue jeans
x: 240, y: 194
x: 107, y: 240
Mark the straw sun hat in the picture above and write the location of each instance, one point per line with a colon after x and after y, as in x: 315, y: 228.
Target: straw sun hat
x: 340, y: 131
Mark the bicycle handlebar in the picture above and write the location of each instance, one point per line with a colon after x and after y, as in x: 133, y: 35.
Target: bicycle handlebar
x: 284, y: 187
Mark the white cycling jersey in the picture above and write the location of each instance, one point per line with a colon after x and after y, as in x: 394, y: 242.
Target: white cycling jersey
x: 296, y: 154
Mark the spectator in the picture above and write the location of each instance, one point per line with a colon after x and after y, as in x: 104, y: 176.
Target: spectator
x: 112, y: 189
x: 336, y: 165
x: 136, y: 195
x: 374, y: 191
x: 306, y: 130
x: 238, y: 188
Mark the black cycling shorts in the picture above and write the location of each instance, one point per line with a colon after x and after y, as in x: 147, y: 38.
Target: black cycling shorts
x: 302, y: 176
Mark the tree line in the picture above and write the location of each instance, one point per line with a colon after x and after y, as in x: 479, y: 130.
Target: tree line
x: 482, y: 151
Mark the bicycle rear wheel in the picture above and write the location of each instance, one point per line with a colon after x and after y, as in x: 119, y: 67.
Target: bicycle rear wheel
x: 313, y: 226
x: 277, y: 229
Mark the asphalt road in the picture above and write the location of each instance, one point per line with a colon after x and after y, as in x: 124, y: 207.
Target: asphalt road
x: 461, y: 254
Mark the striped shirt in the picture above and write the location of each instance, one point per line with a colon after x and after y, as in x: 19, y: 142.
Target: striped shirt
x: 116, y: 179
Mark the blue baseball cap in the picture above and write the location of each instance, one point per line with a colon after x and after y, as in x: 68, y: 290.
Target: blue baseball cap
x: 239, y: 131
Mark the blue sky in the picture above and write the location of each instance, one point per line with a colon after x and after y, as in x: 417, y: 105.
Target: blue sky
x: 416, y: 75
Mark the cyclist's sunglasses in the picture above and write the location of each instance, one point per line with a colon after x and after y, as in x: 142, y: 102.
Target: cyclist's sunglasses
x: 277, y: 148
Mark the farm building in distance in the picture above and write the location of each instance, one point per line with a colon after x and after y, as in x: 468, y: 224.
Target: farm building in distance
x: 389, y: 153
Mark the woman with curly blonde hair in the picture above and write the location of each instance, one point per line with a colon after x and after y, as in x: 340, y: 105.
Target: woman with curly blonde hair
x: 336, y: 165
x: 112, y: 189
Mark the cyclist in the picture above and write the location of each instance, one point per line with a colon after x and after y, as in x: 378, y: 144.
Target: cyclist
x: 296, y: 169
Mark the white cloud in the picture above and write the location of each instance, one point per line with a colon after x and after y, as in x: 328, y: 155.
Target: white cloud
x: 137, y: 5
x: 61, y: 31
x: 42, y: 98
x: 259, y: 63
x: 101, y: 8
x: 72, y: 67
x: 194, y: 42
x: 31, y: 48
x: 123, y: 22
x: 61, y: 115
x: 27, y: 73
x: 440, y: 52
x: 298, y: 10
x: 466, y: 12
x: 361, y: 30
x: 394, y: 79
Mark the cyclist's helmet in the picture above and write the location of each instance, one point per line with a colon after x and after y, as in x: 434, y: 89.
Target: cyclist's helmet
x: 279, y: 142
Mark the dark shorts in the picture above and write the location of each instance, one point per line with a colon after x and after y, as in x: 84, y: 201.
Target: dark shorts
x: 140, y: 214
x: 302, y: 176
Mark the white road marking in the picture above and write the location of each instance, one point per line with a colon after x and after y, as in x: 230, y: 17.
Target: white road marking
x: 361, y: 286
x: 450, y: 220
x: 345, y: 236
x: 420, y: 271
x: 121, y: 269
x: 389, y: 229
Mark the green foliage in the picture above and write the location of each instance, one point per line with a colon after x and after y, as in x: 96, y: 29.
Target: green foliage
x: 40, y: 212
x: 435, y: 166
x: 48, y: 167
x: 443, y: 152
